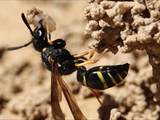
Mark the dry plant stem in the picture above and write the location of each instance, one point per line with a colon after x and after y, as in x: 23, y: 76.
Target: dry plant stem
x: 127, y: 26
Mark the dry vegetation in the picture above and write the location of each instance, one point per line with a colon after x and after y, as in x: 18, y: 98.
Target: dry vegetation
x: 127, y: 26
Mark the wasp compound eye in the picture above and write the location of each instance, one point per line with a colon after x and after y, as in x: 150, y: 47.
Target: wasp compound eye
x: 39, y: 32
x: 59, y: 43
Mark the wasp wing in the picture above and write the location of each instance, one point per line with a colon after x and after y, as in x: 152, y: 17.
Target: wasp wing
x: 77, y: 114
x: 55, y: 93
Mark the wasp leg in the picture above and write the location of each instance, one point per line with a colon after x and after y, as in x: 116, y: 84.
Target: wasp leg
x: 86, y: 63
x: 96, y: 94
x: 90, y: 61
x: 94, y: 59
x: 84, y: 53
x: 49, y: 36
x: 49, y: 39
x: 91, y: 54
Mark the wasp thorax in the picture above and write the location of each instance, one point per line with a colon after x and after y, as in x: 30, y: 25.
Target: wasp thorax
x: 59, y: 43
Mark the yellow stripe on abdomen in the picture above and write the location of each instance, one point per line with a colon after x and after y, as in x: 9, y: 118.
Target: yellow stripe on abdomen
x: 101, y: 78
x: 119, y: 76
x: 113, y: 80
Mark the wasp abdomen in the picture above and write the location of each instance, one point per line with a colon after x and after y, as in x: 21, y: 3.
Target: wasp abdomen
x: 103, y: 77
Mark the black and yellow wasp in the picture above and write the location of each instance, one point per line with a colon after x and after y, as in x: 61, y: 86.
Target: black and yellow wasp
x: 102, y: 77
x: 60, y: 62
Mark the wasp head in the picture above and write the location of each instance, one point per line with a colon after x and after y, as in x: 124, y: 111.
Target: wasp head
x: 39, y: 35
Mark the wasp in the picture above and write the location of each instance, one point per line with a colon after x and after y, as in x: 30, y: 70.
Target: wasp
x: 102, y: 77
x: 60, y: 62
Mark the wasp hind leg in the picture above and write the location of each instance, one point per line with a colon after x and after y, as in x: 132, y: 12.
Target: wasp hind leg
x: 86, y: 63
x: 93, y: 58
x: 90, y: 53
x: 96, y: 94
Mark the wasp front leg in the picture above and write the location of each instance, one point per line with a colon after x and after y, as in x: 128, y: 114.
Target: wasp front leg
x: 86, y: 63
x: 88, y: 55
x: 49, y: 39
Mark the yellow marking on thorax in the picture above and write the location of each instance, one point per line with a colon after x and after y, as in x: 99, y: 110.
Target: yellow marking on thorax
x: 101, y: 78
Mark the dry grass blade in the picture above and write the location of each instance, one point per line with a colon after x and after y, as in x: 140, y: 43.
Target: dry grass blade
x: 55, y: 94
x: 77, y: 114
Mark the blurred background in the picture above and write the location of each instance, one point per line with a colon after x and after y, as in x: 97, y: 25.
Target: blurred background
x: 25, y: 83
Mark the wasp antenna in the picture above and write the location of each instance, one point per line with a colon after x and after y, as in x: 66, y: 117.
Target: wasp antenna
x: 26, y: 23
x: 18, y: 47
x: 26, y: 44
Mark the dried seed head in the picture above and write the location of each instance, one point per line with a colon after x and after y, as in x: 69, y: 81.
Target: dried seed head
x: 34, y: 15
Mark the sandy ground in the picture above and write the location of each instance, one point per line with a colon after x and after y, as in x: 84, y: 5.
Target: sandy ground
x: 25, y: 83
